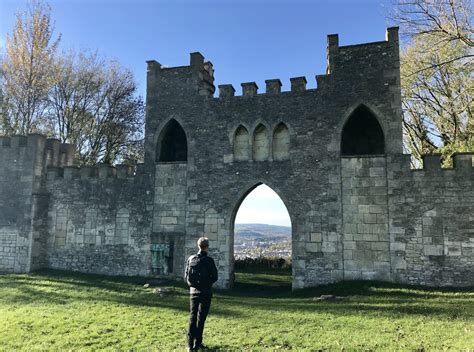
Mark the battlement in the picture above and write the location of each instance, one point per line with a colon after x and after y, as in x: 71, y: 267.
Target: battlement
x: 334, y: 52
x: 56, y: 154
x: 338, y: 59
x: 58, y: 159
x: 59, y: 154
x: 202, y: 72
x: 463, y: 162
x: 100, y: 171
x: 273, y: 87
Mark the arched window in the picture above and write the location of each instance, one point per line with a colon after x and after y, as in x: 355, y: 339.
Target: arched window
x: 260, y: 143
x: 241, y: 144
x: 281, y: 142
x: 172, y: 144
x: 362, y: 134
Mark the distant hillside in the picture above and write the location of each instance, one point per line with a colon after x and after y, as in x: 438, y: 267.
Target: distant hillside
x: 262, y: 232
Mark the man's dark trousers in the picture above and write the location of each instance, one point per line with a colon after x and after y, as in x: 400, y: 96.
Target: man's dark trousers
x: 199, y: 308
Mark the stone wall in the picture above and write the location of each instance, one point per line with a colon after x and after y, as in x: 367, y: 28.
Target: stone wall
x: 8, y: 249
x: 432, y: 221
x: 366, y: 239
x: 21, y: 202
x: 99, y: 220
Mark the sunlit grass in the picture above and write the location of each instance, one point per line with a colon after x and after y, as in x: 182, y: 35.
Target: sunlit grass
x: 53, y: 310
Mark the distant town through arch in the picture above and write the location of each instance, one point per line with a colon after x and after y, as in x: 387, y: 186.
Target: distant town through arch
x: 262, y: 238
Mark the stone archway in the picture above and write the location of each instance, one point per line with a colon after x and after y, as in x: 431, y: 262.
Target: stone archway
x: 233, y: 218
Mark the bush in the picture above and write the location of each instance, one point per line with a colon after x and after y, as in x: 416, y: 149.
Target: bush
x: 263, y: 263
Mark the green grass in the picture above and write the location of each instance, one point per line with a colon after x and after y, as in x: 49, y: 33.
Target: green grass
x: 54, y: 310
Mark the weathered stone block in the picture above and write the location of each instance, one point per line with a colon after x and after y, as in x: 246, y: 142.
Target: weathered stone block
x: 315, y: 237
x: 433, y: 249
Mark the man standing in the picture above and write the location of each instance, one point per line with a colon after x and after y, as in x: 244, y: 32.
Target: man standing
x: 200, y: 274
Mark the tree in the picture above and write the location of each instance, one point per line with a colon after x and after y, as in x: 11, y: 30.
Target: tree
x: 437, y: 76
x: 117, y: 118
x: 442, y: 22
x: 79, y: 99
x: 437, y: 100
x: 94, y: 105
x: 30, y: 51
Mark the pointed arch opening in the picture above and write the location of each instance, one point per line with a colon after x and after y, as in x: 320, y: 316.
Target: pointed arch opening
x: 172, y: 144
x: 260, y: 148
x: 262, y: 239
x: 241, y: 144
x: 281, y: 142
x: 362, y: 134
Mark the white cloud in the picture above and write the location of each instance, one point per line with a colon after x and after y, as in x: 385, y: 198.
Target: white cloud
x: 263, y: 206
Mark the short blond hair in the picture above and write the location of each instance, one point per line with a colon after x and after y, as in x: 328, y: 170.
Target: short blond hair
x: 203, y: 242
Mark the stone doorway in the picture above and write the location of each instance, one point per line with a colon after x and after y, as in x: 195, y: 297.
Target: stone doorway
x: 261, y: 240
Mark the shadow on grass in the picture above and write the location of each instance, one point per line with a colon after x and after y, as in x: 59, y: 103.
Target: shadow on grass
x: 252, y: 291
x: 62, y: 287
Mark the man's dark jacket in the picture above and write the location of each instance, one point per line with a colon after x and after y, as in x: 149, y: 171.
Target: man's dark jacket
x: 206, y: 283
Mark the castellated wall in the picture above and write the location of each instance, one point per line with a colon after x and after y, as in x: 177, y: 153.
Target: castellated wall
x: 332, y: 153
x: 432, y: 221
x: 23, y: 199
x: 98, y: 220
x: 410, y: 226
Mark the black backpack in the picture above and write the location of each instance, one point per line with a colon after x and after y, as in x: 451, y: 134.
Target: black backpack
x: 198, y: 273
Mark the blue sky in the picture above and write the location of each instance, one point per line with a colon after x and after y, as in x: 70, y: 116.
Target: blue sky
x: 263, y: 206
x: 247, y: 40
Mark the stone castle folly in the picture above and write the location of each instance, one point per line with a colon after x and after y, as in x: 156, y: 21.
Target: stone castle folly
x: 333, y: 154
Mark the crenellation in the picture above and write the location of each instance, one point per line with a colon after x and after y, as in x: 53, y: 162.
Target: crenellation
x: 249, y: 89
x: 226, y: 90
x: 333, y: 41
x: 18, y: 141
x: 432, y: 167
x: 331, y: 52
x: 153, y: 66
x: 5, y: 141
x: 124, y: 171
x: 273, y: 86
x: 321, y: 81
x: 196, y: 60
x: 88, y: 172
x: 298, y: 84
x: 391, y: 36
x: 432, y: 162
x: 463, y: 161
x: 52, y: 152
x: 100, y: 171
x: 106, y: 171
x: 71, y: 172
x: 66, y: 154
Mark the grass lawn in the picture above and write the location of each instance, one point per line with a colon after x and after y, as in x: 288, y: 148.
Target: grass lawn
x: 55, y: 310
